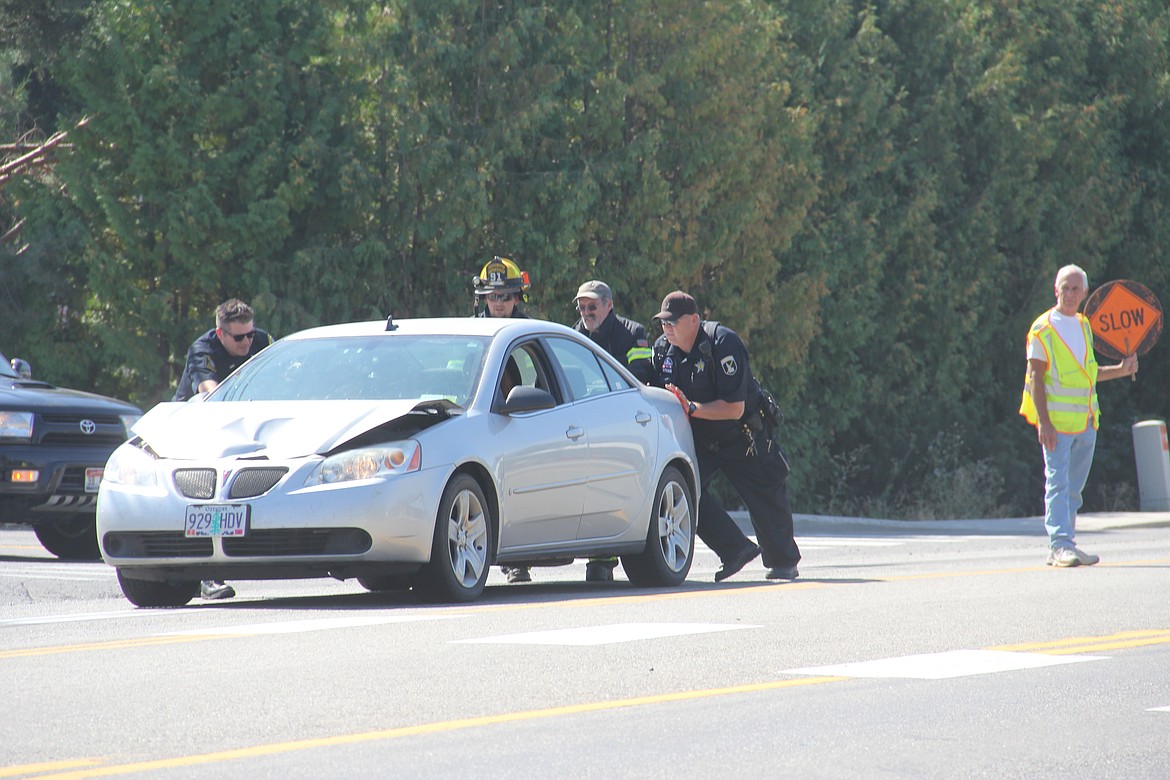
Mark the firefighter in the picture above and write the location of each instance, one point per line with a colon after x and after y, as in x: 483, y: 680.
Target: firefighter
x: 503, y: 287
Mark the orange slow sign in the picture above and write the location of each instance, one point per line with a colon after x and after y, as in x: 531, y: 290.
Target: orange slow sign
x: 1126, y: 318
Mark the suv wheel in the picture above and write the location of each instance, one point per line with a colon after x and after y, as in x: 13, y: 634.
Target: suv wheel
x: 72, y: 538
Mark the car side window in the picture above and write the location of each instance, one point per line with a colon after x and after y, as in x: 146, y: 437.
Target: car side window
x: 581, y: 370
x: 616, y: 380
x: 524, y: 366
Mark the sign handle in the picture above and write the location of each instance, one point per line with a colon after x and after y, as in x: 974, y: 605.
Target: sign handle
x: 1132, y: 377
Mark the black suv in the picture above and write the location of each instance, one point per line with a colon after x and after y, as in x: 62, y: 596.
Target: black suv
x: 54, y: 444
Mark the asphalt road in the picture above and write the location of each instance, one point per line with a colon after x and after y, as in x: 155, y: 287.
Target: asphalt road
x: 905, y: 650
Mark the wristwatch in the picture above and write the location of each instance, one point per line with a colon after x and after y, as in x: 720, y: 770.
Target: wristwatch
x: 691, y: 408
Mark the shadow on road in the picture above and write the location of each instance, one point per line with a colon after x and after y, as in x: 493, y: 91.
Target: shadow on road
x: 516, y: 596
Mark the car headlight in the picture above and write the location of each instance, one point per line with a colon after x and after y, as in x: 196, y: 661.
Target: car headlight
x: 128, y: 421
x: 131, y: 465
x: 16, y: 425
x: 397, y: 457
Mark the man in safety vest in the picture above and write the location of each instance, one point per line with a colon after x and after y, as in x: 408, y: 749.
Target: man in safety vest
x: 1060, y: 399
x: 626, y: 341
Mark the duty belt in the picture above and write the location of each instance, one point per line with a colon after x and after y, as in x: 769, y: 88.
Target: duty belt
x: 735, y: 438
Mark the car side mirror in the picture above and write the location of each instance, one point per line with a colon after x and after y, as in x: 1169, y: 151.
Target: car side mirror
x: 22, y: 368
x: 527, y: 399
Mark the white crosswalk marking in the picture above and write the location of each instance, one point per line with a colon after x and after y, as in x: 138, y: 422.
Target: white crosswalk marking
x: 35, y: 621
x: 75, y: 572
x: 939, y: 666
x: 301, y: 626
x: 604, y: 635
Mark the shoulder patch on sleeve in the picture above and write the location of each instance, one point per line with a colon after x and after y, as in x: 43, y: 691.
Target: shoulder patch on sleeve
x: 728, y: 365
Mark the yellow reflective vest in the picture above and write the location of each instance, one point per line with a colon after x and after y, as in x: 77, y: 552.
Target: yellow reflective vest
x: 1070, y: 387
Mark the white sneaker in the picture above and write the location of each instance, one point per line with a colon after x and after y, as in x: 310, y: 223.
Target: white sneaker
x: 1070, y: 556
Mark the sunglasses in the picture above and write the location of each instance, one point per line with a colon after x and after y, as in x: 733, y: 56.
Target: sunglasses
x: 238, y: 337
x: 500, y: 298
x: 592, y: 307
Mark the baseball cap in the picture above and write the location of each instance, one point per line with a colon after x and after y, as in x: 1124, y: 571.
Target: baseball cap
x: 594, y: 289
x: 676, y: 305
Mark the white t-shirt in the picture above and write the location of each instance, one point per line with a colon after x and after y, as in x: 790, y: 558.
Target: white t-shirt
x: 1069, y: 330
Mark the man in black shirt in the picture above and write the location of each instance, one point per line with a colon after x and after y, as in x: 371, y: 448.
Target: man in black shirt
x: 221, y: 350
x: 706, y: 366
x: 213, y: 356
x: 625, y: 339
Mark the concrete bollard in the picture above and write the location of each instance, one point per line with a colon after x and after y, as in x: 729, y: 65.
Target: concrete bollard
x: 1152, y: 454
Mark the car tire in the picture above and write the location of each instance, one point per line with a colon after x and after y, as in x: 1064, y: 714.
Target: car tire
x: 72, y: 538
x: 384, y: 583
x: 153, y: 593
x: 670, y: 540
x: 462, y: 544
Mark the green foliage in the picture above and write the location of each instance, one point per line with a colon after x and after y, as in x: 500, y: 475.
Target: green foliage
x: 875, y: 195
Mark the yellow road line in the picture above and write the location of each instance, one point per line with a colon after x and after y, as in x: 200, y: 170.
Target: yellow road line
x: 46, y: 766
x: 1093, y: 644
x: 116, y: 644
x: 276, y: 748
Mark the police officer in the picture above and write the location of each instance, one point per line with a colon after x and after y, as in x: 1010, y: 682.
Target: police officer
x: 221, y: 350
x: 706, y: 365
x: 502, y: 286
x: 213, y: 356
x: 625, y: 339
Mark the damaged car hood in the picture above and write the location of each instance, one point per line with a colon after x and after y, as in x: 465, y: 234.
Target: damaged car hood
x: 272, y: 429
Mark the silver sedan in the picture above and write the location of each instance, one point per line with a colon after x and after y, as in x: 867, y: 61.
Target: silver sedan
x: 407, y: 454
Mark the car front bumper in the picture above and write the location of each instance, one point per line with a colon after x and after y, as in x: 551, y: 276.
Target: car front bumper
x: 373, y: 526
x: 60, y: 486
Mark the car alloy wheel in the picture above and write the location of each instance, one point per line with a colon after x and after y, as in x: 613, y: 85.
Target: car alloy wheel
x: 462, y: 545
x: 670, y: 539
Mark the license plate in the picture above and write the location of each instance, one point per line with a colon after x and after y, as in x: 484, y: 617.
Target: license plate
x: 93, y: 478
x: 217, y: 520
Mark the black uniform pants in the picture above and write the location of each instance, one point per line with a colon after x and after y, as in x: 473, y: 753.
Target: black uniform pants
x: 761, y: 480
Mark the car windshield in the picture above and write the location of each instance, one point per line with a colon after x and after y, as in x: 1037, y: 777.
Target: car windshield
x: 369, y: 368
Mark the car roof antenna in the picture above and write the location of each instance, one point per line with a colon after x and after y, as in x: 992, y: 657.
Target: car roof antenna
x: 390, y: 323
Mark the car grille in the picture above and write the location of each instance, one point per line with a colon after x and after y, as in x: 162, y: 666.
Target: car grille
x: 298, y: 541
x: 72, y: 480
x: 156, y: 544
x: 255, y: 482
x: 195, y: 483
x: 110, y: 440
x: 57, y: 428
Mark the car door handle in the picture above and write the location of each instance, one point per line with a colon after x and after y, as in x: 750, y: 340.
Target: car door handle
x: 575, y: 433
x: 642, y: 419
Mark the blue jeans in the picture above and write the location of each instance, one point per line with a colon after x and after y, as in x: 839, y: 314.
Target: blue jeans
x: 1066, y: 469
